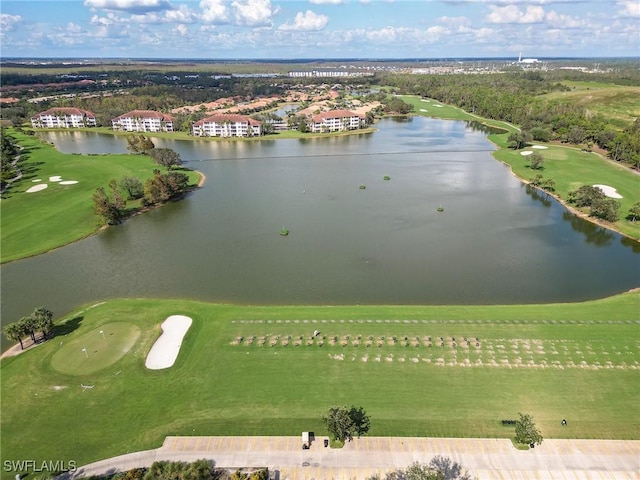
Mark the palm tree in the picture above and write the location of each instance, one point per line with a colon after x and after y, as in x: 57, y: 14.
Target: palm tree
x: 43, y: 320
x: 13, y: 331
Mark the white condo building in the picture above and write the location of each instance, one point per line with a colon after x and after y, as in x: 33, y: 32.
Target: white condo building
x: 227, y: 125
x: 336, y: 121
x: 63, y: 117
x: 143, y: 121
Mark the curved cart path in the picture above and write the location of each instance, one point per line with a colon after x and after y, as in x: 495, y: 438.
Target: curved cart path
x: 484, y: 458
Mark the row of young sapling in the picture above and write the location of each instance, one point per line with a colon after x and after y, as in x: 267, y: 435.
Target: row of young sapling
x: 358, y: 340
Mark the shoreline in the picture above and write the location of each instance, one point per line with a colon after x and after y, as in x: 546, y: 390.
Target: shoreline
x: 16, y: 350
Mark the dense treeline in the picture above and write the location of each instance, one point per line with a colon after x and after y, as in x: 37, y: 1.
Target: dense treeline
x: 8, y: 154
x: 197, y: 470
x: 515, y: 98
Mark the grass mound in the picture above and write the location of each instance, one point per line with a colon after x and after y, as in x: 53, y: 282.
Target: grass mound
x: 97, y: 349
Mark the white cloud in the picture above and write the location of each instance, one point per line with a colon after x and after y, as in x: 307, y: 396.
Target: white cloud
x: 214, y: 11
x: 512, y: 14
x: 629, y: 8
x: 307, y: 21
x: 181, y: 30
x: 453, y: 21
x: 133, y: 6
x: 326, y: 2
x: 253, y: 13
x: 7, y: 22
x: 563, y: 21
x: 182, y: 14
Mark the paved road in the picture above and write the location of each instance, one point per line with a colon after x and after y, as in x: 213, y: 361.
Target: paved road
x: 484, y: 458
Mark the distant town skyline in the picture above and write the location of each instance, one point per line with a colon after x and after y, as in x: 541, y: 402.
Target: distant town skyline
x: 276, y: 29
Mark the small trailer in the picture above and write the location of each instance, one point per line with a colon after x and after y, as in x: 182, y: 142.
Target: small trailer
x: 306, y: 443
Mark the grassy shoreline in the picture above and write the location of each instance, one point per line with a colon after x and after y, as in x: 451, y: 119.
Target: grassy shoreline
x: 568, y: 166
x: 225, y: 382
x: 36, y: 223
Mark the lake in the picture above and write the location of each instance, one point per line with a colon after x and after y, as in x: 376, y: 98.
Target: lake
x: 495, y: 241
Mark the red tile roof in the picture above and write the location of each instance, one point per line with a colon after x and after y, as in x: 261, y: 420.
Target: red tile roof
x: 145, y: 114
x: 227, y: 117
x: 334, y: 114
x: 65, y: 111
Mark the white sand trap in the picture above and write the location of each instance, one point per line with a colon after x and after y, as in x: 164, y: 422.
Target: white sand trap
x: 37, y: 180
x: 37, y: 188
x: 540, y: 147
x: 609, y: 191
x: 426, y: 100
x: 422, y: 110
x: 439, y: 106
x: 55, y: 178
x: 69, y: 182
x: 164, y: 352
x: 526, y: 152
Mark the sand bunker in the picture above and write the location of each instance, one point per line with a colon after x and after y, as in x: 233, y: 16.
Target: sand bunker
x: 37, y: 188
x: 526, y: 152
x: 609, y: 191
x: 55, y: 178
x: 540, y: 147
x: 422, y: 110
x: 164, y: 352
x: 37, y: 180
x: 439, y: 106
x: 69, y: 182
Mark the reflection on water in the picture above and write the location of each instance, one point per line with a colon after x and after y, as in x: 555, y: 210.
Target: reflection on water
x: 386, y: 244
x: 593, y: 234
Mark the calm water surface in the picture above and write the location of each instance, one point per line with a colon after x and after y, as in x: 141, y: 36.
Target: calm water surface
x: 495, y: 242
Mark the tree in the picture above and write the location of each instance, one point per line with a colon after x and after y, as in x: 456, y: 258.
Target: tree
x: 166, y: 157
x: 439, y: 468
x: 605, y: 209
x: 14, y: 332
x: 43, y: 320
x: 133, y: 186
x: 139, y: 144
x: 104, y: 207
x: 526, y: 431
x: 361, y: 421
x: 339, y: 423
x: 536, y: 160
x: 164, y: 187
x: 634, y: 212
x: 518, y: 140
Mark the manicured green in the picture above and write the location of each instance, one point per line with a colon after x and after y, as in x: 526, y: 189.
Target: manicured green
x: 34, y: 223
x: 96, y: 349
x: 256, y: 370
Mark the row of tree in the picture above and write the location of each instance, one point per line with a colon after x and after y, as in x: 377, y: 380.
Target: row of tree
x: 517, y: 98
x: 39, y: 322
x: 439, y: 468
x: 8, y: 152
x: 112, y: 207
x: 197, y: 470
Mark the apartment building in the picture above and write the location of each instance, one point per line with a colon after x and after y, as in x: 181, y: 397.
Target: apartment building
x: 227, y: 125
x: 63, y: 117
x: 336, y: 121
x: 143, y: 121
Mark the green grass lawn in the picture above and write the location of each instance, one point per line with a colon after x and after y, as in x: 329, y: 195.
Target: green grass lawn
x: 251, y: 370
x: 34, y: 223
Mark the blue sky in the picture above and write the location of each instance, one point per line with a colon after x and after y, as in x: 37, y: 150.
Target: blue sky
x: 228, y: 29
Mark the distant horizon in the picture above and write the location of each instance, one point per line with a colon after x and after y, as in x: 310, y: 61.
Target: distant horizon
x: 312, y: 29
x: 310, y: 59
